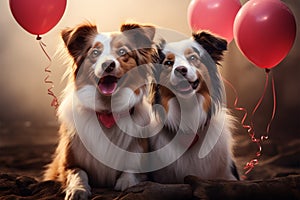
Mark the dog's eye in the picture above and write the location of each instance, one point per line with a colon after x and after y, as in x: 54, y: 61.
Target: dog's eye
x: 192, y: 58
x: 95, y: 53
x: 169, y: 63
x: 122, y: 52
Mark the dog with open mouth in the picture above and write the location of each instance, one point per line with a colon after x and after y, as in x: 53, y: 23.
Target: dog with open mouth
x: 197, y: 128
x: 106, y: 85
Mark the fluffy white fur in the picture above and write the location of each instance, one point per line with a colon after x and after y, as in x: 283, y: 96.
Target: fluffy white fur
x: 208, y: 158
x: 81, y: 122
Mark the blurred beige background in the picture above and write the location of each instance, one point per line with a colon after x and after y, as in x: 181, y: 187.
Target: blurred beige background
x: 24, y: 94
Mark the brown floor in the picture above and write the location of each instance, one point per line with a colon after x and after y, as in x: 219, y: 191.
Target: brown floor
x: 25, y: 148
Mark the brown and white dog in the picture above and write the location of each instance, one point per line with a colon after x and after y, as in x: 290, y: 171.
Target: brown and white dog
x: 196, y: 136
x: 91, y: 146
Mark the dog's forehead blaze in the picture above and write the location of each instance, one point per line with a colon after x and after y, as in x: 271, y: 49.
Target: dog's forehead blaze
x: 103, y: 38
x: 110, y: 41
x: 103, y: 42
x: 183, y: 49
x: 181, y: 46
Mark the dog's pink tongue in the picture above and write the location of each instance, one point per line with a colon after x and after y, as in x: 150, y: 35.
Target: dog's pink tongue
x: 108, y: 88
x: 107, y: 120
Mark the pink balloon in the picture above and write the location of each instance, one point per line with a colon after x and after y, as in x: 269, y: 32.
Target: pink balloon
x: 37, y: 16
x: 265, y: 31
x: 217, y: 16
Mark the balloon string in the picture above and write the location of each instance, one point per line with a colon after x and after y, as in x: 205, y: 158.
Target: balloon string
x: 250, y: 165
x: 274, y: 108
x: 250, y: 127
x: 47, y: 80
x: 252, y: 133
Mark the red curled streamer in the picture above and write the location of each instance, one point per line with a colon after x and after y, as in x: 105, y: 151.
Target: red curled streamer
x: 250, y: 127
x: 47, y: 80
x: 235, y: 105
x: 252, y: 133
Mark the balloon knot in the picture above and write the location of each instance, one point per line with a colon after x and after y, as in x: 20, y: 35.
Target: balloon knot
x: 38, y: 37
x: 268, y: 70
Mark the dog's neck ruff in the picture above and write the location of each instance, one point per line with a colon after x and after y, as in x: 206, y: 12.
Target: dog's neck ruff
x: 109, y: 119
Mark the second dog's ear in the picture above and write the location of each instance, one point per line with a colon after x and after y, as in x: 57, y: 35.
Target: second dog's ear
x: 78, y: 39
x: 215, y: 46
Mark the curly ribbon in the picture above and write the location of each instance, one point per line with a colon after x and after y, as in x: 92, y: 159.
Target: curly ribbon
x: 47, y: 80
x: 250, y: 127
x: 250, y: 165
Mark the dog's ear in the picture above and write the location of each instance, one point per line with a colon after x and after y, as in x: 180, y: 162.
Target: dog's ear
x: 141, y: 38
x: 215, y: 46
x: 141, y: 35
x: 147, y: 30
x: 78, y: 39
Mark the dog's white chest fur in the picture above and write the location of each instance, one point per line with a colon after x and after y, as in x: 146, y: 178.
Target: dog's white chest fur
x: 208, y: 158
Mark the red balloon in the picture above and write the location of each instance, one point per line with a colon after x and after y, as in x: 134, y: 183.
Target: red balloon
x: 217, y: 16
x: 265, y: 31
x: 37, y: 16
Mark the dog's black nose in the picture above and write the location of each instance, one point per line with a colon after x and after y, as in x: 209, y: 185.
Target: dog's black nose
x: 180, y: 71
x: 108, y: 66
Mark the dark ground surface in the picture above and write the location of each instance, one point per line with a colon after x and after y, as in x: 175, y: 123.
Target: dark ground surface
x: 25, y: 148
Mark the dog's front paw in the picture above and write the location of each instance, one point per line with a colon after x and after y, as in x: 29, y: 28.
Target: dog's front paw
x: 77, y: 185
x: 126, y: 180
x: 77, y: 194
